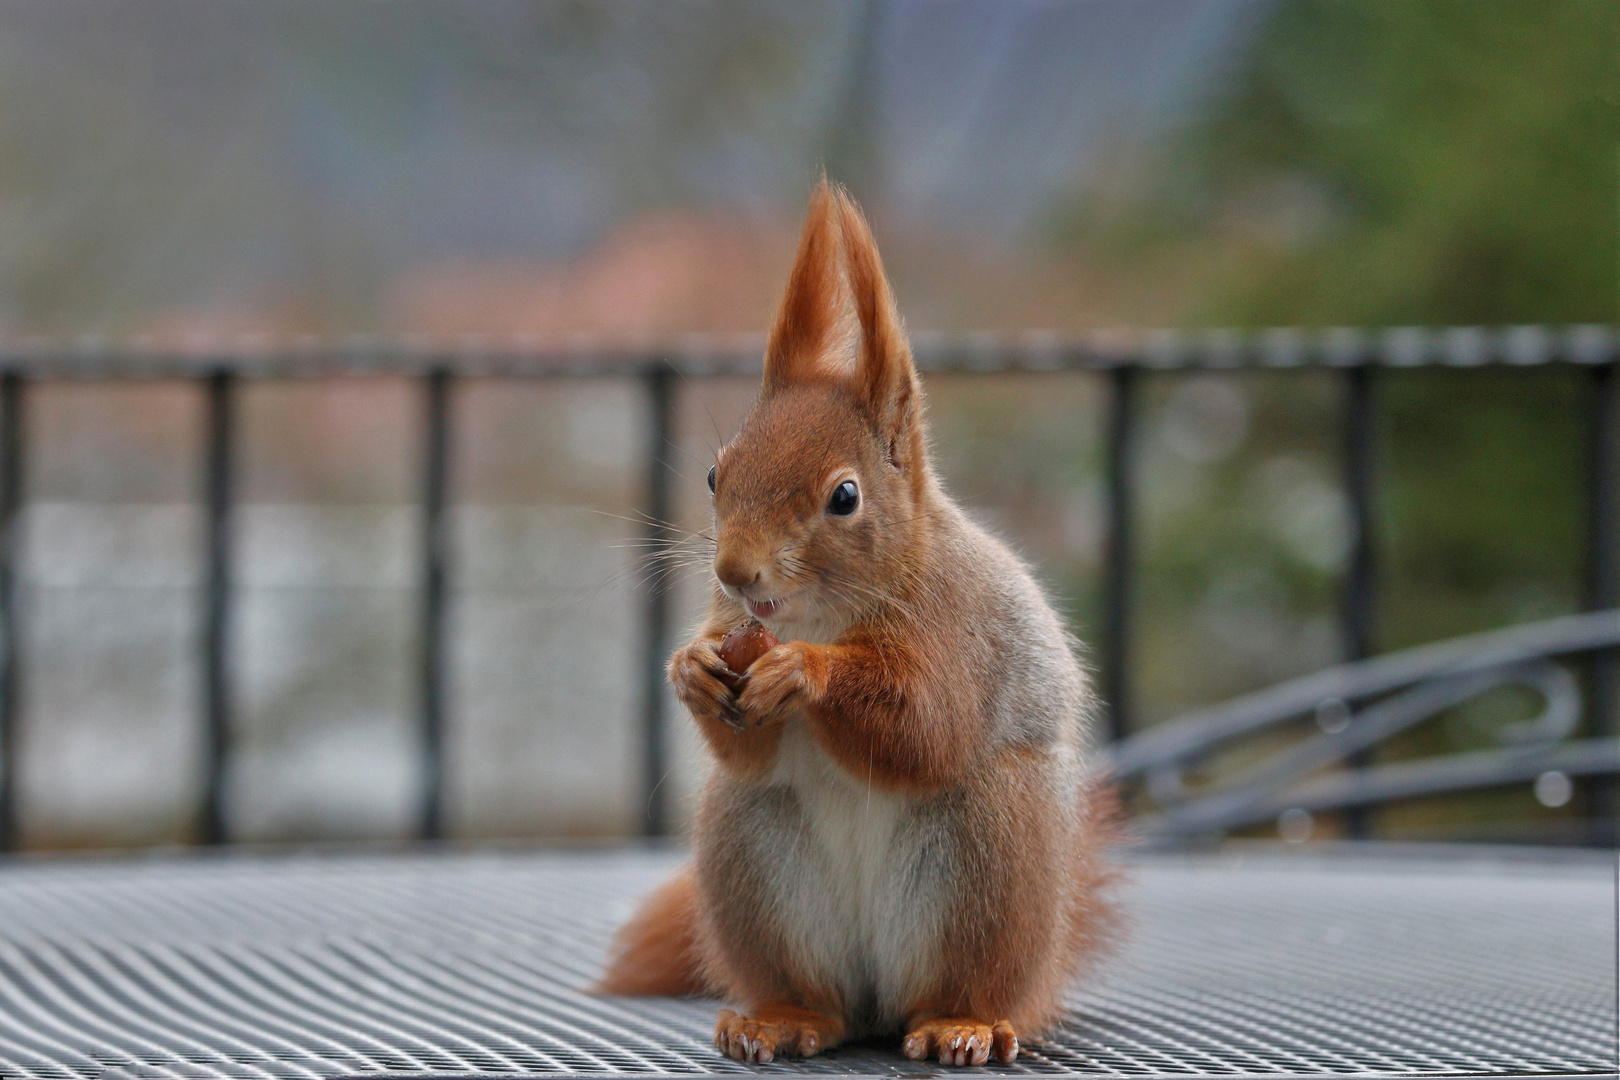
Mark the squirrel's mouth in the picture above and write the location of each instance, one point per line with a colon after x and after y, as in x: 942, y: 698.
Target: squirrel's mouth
x: 763, y: 609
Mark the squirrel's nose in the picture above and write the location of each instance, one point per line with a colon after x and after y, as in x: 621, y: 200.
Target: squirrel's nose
x: 735, y: 571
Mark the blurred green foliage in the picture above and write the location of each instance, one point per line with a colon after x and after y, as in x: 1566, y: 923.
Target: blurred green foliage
x: 1243, y: 536
x: 1463, y: 153
x: 1393, y: 162
x: 1483, y: 510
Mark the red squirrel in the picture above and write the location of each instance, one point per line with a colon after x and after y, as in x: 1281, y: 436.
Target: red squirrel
x: 900, y: 836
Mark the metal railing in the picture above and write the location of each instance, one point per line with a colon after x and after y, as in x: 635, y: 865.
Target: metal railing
x: 1120, y: 357
x: 1356, y: 706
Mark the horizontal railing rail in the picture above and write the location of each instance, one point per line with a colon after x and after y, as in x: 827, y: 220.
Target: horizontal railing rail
x: 1121, y: 357
x: 588, y: 355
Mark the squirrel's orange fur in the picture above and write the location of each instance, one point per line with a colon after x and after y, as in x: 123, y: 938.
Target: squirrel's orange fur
x: 901, y: 834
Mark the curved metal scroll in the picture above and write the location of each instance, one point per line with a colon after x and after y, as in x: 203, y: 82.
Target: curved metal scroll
x: 1359, y: 705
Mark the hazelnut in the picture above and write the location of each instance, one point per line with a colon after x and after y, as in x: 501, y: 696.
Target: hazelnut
x: 741, y: 648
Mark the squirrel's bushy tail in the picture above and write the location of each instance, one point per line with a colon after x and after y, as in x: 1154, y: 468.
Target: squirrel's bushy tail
x: 1096, y: 922
x: 656, y: 953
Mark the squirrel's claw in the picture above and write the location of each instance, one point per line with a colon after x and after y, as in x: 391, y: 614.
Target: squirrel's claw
x: 692, y: 675
x: 733, y: 714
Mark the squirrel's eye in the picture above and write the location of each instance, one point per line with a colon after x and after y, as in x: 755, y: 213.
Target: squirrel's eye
x: 711, y: 479
x: 844, y: 499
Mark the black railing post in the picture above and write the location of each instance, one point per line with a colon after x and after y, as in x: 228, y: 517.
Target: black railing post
x: 1118, y: 561
x: 218, y: 492
x: 435, y: 573
x: 1357, y: 600
x: 1360, y: 435
x: 1602, y: 585
x: 11, y: 497
x: 660, y: 381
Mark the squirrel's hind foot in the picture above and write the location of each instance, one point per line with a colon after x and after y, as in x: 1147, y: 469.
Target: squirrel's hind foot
x: 961, y: 1041
x: 773, y: 1030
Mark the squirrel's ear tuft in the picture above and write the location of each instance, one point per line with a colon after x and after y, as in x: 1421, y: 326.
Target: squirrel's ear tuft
x: 885, y: 378
x: 810, y: 331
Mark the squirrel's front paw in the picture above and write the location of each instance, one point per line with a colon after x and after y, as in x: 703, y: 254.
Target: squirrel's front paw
x: 782, y: 680
x: 694, y: 672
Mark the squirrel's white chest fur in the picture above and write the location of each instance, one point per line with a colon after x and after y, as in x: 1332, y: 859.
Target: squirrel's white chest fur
x: 860, y: 890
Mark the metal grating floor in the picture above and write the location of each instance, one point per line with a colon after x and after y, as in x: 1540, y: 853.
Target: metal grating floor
x: 302, y: 966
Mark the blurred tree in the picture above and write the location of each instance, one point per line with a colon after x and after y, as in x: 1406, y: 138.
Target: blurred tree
x: 1440, y: 162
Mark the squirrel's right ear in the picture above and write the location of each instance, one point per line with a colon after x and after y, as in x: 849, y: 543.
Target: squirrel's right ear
x: 811, y: 325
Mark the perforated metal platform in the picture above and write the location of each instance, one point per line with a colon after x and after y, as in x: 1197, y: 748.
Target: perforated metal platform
x: 259, y: 966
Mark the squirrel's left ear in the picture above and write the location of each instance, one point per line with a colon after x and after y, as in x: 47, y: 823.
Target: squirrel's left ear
x: 885, y: 378
x: 808, y: 340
